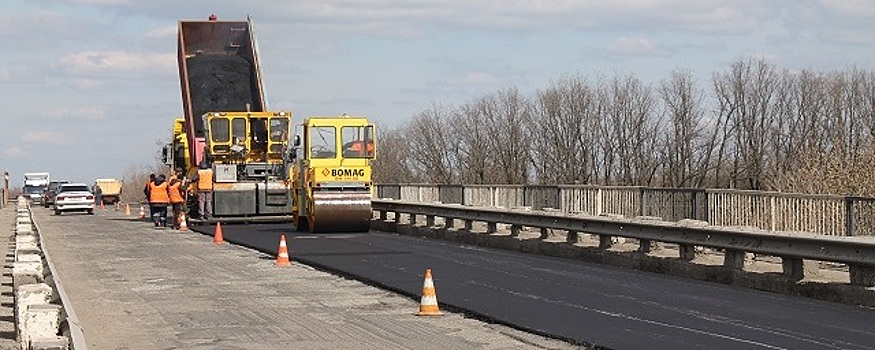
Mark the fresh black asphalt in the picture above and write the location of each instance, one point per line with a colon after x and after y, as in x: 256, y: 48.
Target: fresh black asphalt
x: 577, y: 301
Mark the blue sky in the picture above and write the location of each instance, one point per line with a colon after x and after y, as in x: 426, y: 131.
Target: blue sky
x: 90, y: 87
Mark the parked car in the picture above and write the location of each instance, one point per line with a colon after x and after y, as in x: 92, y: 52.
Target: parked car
x: 74, y: 197
x: 50, y: 192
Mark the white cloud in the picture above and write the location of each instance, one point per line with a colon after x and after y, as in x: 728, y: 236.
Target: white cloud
x: 479, y: 79
x: 113, y: 63
x: 637, y: 46
x: 77, y: 113
x: 163, y: 32
x: 47, y: 138
x: 13, y: 152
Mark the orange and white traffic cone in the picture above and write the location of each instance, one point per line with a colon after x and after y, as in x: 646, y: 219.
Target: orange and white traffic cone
x: 142, y: 212
x: 428, y: 305
x: 282, y: 256
x: 127, y: 209
x: 217, y: 236
x: 102, y: 206
x: 117, y: 206
x: 183, y: 226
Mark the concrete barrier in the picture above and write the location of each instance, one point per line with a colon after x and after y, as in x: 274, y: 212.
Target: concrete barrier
x: 39, y: 317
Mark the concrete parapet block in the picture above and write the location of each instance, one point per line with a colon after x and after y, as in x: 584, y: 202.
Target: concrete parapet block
x: 19, y: 239
x: 51, y: 343
x: 26, y: 254
x: 40, y: 321
x: 23, y: 220
x: 24, y: 251
x: 31, y: 294
x: 27, y: 272
x: 24, y: 229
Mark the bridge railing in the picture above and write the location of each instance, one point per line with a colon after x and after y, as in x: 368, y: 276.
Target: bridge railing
x: 773, y: 211
x: 735, y: 243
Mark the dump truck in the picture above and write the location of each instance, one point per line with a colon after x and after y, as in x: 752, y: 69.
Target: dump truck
x: 110, y: 190
x: 227, y: 125
x: 35, y: 184
x: 331, y: 174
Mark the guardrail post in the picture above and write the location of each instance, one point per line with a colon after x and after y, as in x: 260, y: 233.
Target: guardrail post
x: 515, y: 230
x: 687, y: 252
x: 429, y: 220
x: 412, y: 218
x: 645, y: 246
x: 733, y: 259
x: 384, y: 215
x: 491, y: 227
x: 862, y: 275
x: 469, y: 225
x: 572, y: 237
x: 605, y: 241
x: 449, y: 222
x: 796, y: 268
x: 545, y: 233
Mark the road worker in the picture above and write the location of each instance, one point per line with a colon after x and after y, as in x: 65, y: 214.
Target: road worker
x: 159, y: 198
x: 204, y: 178
x: 177, y: 200
x: 146, y: 193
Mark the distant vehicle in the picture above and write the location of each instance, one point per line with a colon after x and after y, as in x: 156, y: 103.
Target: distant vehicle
x: 50, y: 192
x: 74, y: 197
x: 110, y: 190
x: 35, y: 184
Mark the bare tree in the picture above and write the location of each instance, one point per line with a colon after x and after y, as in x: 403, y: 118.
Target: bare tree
x: 392, y: 164
x: 632, y: 126
x: 503, y: 117
x: 688, y: 144
x: 564, y: 128
x: 746, y: 94
x: 431, y: 146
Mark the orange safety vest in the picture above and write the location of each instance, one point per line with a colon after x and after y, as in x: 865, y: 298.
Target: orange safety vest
x: 205, y: 180
x: 175, y: 193
x: 158, y: 193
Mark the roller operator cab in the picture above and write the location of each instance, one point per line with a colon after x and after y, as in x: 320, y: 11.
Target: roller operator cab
x: 246, y: 152
x: 331, y: 174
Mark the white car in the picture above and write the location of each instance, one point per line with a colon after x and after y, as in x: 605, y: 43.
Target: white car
x: 74, y: 197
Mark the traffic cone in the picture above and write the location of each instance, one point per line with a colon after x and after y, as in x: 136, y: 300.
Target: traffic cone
x: 428, y: 305
x: 282, y: 257
x: 217, y: 237
x: 103, y: 207
x: 117, y: 205
x: 127, y: 209
x: 142, y: 212
x: 183, y: 226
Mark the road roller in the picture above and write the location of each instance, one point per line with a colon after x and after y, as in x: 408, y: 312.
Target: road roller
x: 331, y: 174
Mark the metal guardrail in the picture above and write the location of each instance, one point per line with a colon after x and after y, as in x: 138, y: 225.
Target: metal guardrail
x: 857, y: 253
x: 771, y: 211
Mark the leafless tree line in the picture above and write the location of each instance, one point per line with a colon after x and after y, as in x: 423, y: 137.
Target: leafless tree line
x: 755, y: 126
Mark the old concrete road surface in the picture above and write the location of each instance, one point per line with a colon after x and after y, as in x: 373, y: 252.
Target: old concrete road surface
x: 585, y: 302
x: 138, y: 287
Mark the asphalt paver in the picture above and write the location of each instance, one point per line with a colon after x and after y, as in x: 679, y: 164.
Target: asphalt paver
x: 134, y: 286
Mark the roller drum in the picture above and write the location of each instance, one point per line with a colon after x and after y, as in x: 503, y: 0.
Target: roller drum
x: 341, y: 212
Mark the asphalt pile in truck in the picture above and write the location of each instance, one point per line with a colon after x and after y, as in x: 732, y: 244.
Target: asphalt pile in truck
x: 221, y: 83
